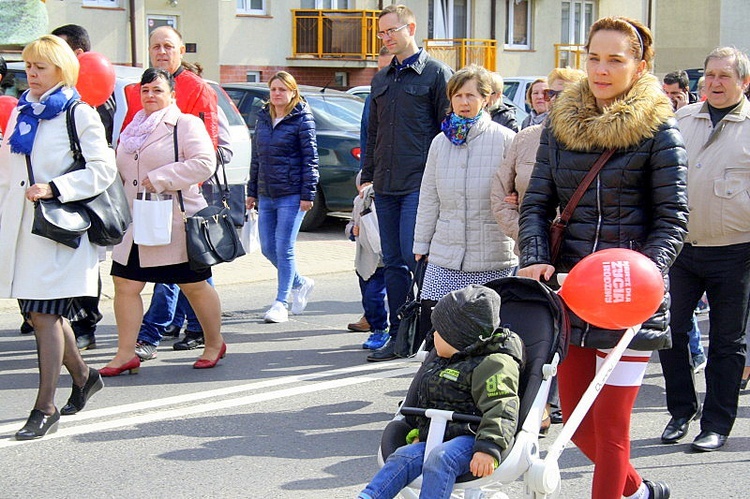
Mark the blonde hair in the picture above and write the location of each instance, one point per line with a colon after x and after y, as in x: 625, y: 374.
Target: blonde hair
x: 290, y: 83
x: 54, y: 50
x: 497, y: 82
x: 566, y: 74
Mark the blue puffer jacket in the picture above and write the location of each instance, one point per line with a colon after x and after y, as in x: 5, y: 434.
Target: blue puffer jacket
x: 285, y: 157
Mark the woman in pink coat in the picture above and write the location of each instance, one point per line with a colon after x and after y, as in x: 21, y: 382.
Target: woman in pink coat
x: 146, y: 161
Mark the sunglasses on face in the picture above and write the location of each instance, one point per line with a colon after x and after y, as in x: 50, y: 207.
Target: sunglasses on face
x: 550, y: 94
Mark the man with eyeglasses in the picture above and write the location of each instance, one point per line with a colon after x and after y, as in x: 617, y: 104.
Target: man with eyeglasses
x: 409, y: 101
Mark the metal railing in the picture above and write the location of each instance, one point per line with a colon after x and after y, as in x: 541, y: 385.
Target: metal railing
x: 459, y: 52
x: 569, y: 55
x: 345, y: 34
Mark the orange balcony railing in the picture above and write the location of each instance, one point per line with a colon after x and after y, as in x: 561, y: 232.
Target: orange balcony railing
x: 345, y: 34
x: 569, y: 55
x: 459, y: 52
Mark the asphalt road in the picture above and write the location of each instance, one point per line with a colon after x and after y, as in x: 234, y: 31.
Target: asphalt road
x: 293, y: 411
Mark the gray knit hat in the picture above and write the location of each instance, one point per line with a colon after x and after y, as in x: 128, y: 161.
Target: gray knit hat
x: 463, y: 316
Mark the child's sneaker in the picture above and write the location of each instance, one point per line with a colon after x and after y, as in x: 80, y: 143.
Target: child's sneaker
x: 277, y: 313
x: 301, y: 294
x: 377, y: 339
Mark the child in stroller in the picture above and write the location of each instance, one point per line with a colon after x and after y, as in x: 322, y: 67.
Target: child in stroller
x: 537, y: 315
x: 476, y: 371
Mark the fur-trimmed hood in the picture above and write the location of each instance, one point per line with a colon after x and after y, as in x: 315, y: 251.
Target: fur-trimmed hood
x: 578, y: 124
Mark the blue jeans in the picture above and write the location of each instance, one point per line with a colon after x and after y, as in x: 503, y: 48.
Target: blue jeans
x: 723, y: 273
x: 373, y: 300
x: 279, y: 220
x: 446, y: 462
x: 396, y: 217
x: 694, y: 339
x: 164, y: 310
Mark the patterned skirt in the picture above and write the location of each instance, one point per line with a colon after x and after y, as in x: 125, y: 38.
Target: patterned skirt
x: 70, y: 308
x: 439, y: 281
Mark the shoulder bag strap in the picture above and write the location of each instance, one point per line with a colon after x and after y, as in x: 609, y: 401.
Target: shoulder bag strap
x: 578, y: 194
x: 176, y: 159
x: 29, y: 170
x: 70, y: 119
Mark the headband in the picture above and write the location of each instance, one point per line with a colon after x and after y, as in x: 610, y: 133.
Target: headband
x: 640, y: 39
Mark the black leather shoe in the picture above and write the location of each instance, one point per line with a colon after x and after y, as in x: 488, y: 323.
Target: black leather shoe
x: 677, y: 428
x: 386, y: 352
x: 86, y: 342
x: 657, y: 490
x: 80, y: 395
x: 171, y: 332
x: 556, y: 417
x: 26, y: 328
x: 706, y: 441
x: 191, y: 341
x: 38, y: 425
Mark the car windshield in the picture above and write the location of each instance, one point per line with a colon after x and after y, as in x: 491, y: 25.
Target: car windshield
x: 335, y: 112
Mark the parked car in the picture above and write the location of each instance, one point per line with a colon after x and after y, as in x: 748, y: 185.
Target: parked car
x: 515, y: 88
x: 238, y: 170
x: 364, y: 90
x: 694, y: 75
x: 337, y: 120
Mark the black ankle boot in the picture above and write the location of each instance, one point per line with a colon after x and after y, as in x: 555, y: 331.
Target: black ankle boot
x: 38, y: 425
x: 80, y: 395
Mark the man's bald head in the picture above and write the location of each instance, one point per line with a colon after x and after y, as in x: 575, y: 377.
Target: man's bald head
x: 166, y: 48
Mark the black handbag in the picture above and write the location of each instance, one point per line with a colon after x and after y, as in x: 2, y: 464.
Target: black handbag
x: 210, y: 233
x: 109, y: 211
x: 407, y: 337
x: 63, y: 223
x: 219, y: 195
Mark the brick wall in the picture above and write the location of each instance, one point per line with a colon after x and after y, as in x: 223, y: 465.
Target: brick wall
x: 305, y: 76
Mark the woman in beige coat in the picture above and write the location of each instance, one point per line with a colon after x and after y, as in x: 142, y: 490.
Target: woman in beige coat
x: 146, y: 161
x: 455, y: 228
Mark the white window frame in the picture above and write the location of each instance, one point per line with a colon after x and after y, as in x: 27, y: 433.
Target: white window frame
x: 443, y: 19
x: 245, y: 9
x: 111, y: 4
x: 583, y: 30
x: 345, y: 5
x: 511, y: 9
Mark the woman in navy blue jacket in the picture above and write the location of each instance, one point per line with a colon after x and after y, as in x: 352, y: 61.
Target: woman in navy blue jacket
x: 283, y: 179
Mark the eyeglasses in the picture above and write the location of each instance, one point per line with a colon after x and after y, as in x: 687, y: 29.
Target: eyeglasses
x: 389, y: 32
x: 550, y: 94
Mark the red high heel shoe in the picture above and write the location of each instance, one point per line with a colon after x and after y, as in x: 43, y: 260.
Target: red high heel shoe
x: 132, y: 366
x: 208, y: 364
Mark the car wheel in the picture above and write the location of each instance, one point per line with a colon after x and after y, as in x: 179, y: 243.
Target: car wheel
x: 317, y: 215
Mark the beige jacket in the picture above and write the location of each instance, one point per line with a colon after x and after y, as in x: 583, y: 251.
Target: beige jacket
x: 454, y: 224
x: 513, y: 176
x: 718, y: 175
x: 155, y: 159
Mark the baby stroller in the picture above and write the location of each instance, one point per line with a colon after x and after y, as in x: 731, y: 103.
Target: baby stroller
x: 538, y: 316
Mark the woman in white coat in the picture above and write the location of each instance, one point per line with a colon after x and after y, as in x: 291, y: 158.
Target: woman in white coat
x: 455, y: 225
x: 43, y: 275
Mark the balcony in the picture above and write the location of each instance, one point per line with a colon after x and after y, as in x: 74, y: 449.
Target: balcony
x: 335, y: 34
x: 569, y: 55
x: 459, y: 52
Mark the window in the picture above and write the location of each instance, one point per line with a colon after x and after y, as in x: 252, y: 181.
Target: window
x: 577, y: 18
x: 256, y: 7
x: 101, y: 3
x: 325, y: 4
x: 518, y: 29
x: 449, y: 19
x: 252, y: 76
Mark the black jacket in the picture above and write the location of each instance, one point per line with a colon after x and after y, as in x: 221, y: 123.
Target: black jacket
x: 506, y: 116
x: 638, y: 200
x: 406, y: 109
x: 285, y: 157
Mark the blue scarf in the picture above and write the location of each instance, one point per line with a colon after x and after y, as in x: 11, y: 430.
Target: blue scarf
x: 53, y: 103
x: 456, y: 127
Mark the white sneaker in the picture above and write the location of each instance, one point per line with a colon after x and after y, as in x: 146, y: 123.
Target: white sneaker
x: 301, y: 295
x: 277, y: 313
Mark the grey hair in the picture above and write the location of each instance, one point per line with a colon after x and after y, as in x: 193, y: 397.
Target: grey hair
x: 741, y: 62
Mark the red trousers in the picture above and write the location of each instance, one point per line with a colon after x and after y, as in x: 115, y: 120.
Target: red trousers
x: 604, y: 433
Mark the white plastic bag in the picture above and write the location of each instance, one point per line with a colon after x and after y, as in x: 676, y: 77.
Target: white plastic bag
x: 369, y: 231
x: 152, y: 219
x: 249, y: 236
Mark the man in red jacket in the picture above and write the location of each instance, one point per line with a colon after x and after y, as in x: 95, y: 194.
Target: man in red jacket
x: 194, y: 96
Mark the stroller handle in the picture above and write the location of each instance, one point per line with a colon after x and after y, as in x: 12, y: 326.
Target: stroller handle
x: 447, y: 415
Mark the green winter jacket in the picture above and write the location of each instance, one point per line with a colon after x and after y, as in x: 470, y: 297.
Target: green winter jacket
x: 483, y: 380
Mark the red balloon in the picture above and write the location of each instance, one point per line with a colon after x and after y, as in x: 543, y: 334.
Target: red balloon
x: 7, y: 103
x: 614, y: 288
x: 96, y: 78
